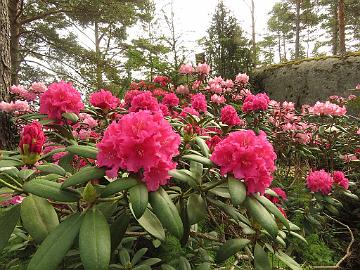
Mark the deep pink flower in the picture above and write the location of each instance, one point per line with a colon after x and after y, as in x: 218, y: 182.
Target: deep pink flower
x: 248, y: 157
x: 104, y: 99
x: 144, y: 101
x: 170, y: 100
x: 340, y: 179
x: 164, y: 109
x: 162, y: 80
x: 188, y: 110
x: 60, y: 98
x: 212, y: 142
x: 32, y: 139
x: 256, y: 102
x: 140, y: 141
x: 319, y: 181
x: 130, y: 95
x: 229, y: 116
x: 198, y: 102
x: 280, y: 192
x: 11, y: 200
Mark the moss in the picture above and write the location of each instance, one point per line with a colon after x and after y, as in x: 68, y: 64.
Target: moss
x: 170, y: 249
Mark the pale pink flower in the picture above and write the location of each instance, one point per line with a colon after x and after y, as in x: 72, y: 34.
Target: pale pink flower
x: 203, y: 68
x: 218, y: 99
x: 327, y: 108
x: 186, y: 69
x: 357, y: 87
x: 196, y: 84
x: 17, y: 106
x: 38, y: 87
x: 182, y: 89
x: 242, y: 78
x: 88, y: 120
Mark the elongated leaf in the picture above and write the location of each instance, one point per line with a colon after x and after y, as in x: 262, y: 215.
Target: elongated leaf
x: 138, y: 197
x: 184, y: 264
x: 197, y: 158
x: 167, y: 213
x: 83, y: 151
x: 203, y: 146
x: 273, y: 209
x: 152, y: 224
x: 118, y: 229
x: 237, y: 190
x: 39, y: 217
x: 230, y: 247
x: 94, y: 241
x: 8, y: 219
x: 298, y: 236
x: 197, y: 169
x: 203, y: 266
x: 287, y: 260
x: 50, y: 190
x: 262, y: 216
x: 183, y: 177
x: 71, y: 116
x: 52, y: 168
x: 196, y: 208
x: 84, y: 175
x: 261, y: 258
x: 54, y: 248
x: 118, y: 185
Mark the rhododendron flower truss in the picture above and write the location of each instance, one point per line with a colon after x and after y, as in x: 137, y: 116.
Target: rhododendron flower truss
x: 140, y: 142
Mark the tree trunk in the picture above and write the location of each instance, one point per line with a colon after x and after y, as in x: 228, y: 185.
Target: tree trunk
x: 253, y: 31
x: 341, y: 15
x: 6, y: 127
x: 99, y: 81
x: 297, y: 29
x: 335, y: 30
x: 14, y: 15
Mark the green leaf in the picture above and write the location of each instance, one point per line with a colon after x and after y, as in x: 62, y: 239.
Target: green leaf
x: 203, y: 146
x: 51, y: 168
x: 286, y: 259
x: 138, y: 197
x: 138, y: 255
x: 200, y: 159
x: 197, y: 169
x: 152, y: 224
x: 84, y: 175
x: 50, y: 190
x: 8, y: 219
x: 118, y: 229
x: 118, y: 185
x: 196, y: 208
x: 167, y: 212
x: 261, y: 258
x: 83, y: 151
x: 71, y: 116
x: 38, y: 217
x: 184, y: 264
x: 124, y: 256
x: 167, y: 267
x: 351, y: 195
x: 237, y: 190
x: 25, y: 174
x: 230, y: 247
x: 54, y: 248
x: 10, y: 163
x: 300, y: 237
x: 273, y: 209
x: 89, y: 193
x: 94, y: 241
x: 203, y: 266
x: 150, y: 261
x: 262, y: 216
x: 67, y: 162
x: 183, y: 177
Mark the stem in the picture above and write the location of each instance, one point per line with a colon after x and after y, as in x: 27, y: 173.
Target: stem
x: 12, y: 179
x: 214, y: 185
x: 111, y: 199
x: 11, y: 186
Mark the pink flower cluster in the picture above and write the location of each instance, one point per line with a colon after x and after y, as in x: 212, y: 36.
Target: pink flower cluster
x: 340, y: 179
x: 256, y: 102
x: 16, y: 106
x: 182, y: 89
x: 12, y: 200
x: 242, y: 78
x: 186, y: 69
x: 144, y: 101
x: 218, y: 99
x: 203, y: 68
x: 319, y: 181
x: 198, y: 102
x: 140, y: 142
x: 170, y: 100
x: 60, y: 98
x: 188, y: 110
x: 219, y: 85
x: 104, y: 99
x: 327, y: 108
x: 247, y: 156
x: 32, y: 139
x: 229, y: 116
x: 162, y: 80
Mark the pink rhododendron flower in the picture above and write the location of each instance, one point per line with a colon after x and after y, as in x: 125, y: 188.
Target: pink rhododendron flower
x: 212, y: 142
x: 228, y: 84
x: 196, y: 85
x: 186, y: 69
x: 319, y: 181
x: 32, y: 139
x: 189, y: 110
x: 60, y: 98
x: 88, y: 120
x: 327, y: 108
x: 144, y: 101
x: 351, y: 97
x: 130, y: 95
x: 289, y: 106
x: 256, y: 102
x: 140, y: 141
x: 162, y: 80
x: 218, y: 99
x: 12, y: 200
x: 358, y: 131
x: 198, y: 102
x: 182, y: 89
x: 247, y: 156
x: 242, y: 78
x: 340, y: 179
x: 229, y: 116
x: 104, y: 99
x: 38, y: 87
x: 170, y: 100
x: 16, y: 106
x: 164, y: 109
x: 357, y: 87
x: 22, y: 92
x: 203, y: 68
x: 280, y: 192
x: 282, y: 211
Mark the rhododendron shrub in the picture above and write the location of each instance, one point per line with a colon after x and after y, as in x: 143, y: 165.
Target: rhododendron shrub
x: 106, y: 177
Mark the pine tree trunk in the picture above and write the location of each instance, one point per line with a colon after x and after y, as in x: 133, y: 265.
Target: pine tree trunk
x: 297, y: 29
x: 253, y: 31
x: 14, y: 10
x: 341, y: 14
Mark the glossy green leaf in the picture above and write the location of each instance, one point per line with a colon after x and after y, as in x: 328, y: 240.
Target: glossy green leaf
x: 84, y: 175
x: 152, y: 224
x: 286, y: 259
x: 261, y: 259
x: 54, y: 248
x: 197, y: 158
x: 184, y: 264
x: 71, y: 116
x: 118, y: 185
x: 203, y: 146
x: 196, y: 208
x: 230, y: 247
x: 118, y: 229
x: 8, y: 219
x: 51, y: 168
x: 177, y: 174
x: 39, y: 217
x: 203, y: 266
x: 94, y: 241
x: 138, y: 197
x: 83, y: 151
x: 237, y: 190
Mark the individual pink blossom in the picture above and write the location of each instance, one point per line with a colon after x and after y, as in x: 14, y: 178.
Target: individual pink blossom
x: 60, y: 98
x: 358, y: 131
x: 144, y: 101
x: 22, y: 92
x: 327, y: 108
x: 140, y: 141
x: 198, y: 102
x: 218, y: 99
x: 17, y: 106
x: 319, y: 181
x: 203, y: 68
x: 104, y: 99
x: 288, y: 106
x: 32, y: 139
x: 303, y: 138
x: 186, y: 69
x: 182, y: 89
x: 188, y: 110
x: 88, y: 120
x: 38, y: 87
x: 242, y: 78
x: 256, y: 102
x: 249, y: 157
x: 170, y: 100
x: 229, y: 116
x: 280, y: 192
x: 340, y: 179
x: 351, y: 97
x: 348, y: 158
